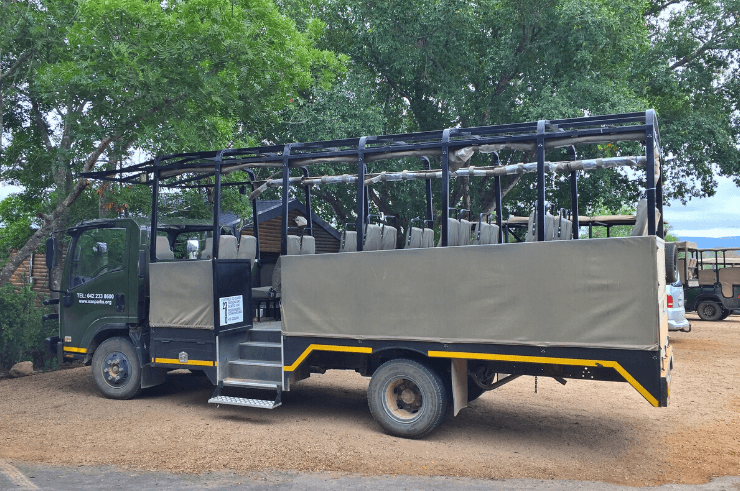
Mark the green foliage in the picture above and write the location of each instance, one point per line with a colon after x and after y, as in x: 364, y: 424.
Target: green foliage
x: 430, y: 65
x: 22, y: 333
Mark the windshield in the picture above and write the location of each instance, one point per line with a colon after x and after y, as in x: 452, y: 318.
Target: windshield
x: 96, y: 252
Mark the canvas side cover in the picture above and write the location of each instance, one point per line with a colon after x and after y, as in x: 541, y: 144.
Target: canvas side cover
x: 589, y: 293
x: 181, y: 294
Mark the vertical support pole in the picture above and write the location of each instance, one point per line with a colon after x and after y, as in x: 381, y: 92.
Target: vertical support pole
x: 217, y: 205
x: 361, y: 192
x: 430, y: 208
x: 307, y: 194
x: 499, y: 199
x: 445, y: 186
x: 255, y: 215
x: 659, y: 201
x: 541, y: 180
x: 155, y: 213
x: 284, y: 205
x: 650, y: 155
x: 574, y: 192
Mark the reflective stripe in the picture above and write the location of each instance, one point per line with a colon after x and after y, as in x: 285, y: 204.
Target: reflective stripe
x: 173, y: 361
x: 554, y: 361
x: 325, y: 347
x: 75, y: 350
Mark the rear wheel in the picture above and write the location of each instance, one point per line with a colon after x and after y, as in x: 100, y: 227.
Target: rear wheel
x: 408, y: 399
x: 116, y: 370
x: 709, y: 311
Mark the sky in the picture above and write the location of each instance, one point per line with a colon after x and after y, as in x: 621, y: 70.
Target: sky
x: 717, y: 216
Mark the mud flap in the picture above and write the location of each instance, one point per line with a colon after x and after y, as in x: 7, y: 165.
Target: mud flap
x: 151, y: 376
x: 459, y: 384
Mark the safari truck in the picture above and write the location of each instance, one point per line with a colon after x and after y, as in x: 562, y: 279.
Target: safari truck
x: 711, y: 279
x: 435, y: 312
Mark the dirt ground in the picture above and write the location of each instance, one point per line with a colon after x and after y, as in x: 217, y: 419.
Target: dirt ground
x: 600, y: 431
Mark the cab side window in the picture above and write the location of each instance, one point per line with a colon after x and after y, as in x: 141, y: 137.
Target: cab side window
x: 97, y: 252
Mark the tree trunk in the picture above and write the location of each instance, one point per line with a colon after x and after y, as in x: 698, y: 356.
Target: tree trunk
x: 53, y: 221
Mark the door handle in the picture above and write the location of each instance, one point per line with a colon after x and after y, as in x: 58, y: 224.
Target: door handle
x: 120, y: 302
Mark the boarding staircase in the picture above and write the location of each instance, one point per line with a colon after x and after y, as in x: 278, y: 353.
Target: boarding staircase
x: 254, y: 360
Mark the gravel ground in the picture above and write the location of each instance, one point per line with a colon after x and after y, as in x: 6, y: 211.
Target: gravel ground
x: 586, y: 431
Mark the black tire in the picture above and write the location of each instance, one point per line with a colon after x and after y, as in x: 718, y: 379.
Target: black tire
x: 406, y: 398
x: 671, y: 263
x: 115, y: 369
x: 709, y: 311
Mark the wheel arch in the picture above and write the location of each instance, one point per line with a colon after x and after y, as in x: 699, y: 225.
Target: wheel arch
x: 382, y: 355
x: 107, y: 331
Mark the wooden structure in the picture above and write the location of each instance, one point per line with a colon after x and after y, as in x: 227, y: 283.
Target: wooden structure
x: 269, y: 219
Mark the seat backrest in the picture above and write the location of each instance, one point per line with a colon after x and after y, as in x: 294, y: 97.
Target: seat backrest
x: 373, y: 237
x: 414, y: 238
x: 227, y: 247
x: 641, y: 219
x: 294, y: 245
x: 707, y: 277
x: 729, y: 277
x: 163, y: 248
x: 680, y: 265
x: 308, y: 245
x: 453, y: 233
x: 247, y: 248
x: 563, y: 229
x: 493, y: 232
x: 464, y: 231
x: 348, y: 242
x: 207, y: 252
x: 427, y: 238
x: 388, y: 240
x: 276, y: 280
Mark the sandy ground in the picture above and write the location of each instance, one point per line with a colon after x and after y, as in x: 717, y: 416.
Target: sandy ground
x: 595, y: 431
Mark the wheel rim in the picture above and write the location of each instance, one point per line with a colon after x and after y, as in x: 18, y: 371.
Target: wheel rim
x: 403, y: 400
x: 116, y: 369
x: 709, y: 310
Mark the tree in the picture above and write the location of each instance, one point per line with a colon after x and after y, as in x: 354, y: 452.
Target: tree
x: 431, y: 65
x: 111, y: 78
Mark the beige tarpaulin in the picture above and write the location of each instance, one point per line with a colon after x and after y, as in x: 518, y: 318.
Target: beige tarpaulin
x: 605, y: 293
x: 181, y: 294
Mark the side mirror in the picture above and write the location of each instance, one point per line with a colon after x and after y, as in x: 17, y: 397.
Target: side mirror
x: 51, y: 253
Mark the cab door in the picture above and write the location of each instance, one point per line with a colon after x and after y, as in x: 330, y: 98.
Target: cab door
x: 96, y: 285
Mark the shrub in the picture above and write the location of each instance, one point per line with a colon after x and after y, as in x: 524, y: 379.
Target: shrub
x: 22, y: 333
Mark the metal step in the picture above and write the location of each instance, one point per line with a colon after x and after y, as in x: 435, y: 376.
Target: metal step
x: 258, y: 350
x: 250, y: 384
x: 266, y: 332
x: 267, y: 371
x: 240, y: 401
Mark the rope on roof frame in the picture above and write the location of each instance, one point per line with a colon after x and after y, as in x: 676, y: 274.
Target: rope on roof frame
x: 563, y: 167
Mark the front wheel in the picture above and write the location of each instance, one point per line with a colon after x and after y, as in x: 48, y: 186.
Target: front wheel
x: 408, y: 399
x: 709, y: 311
x: 116, y: 370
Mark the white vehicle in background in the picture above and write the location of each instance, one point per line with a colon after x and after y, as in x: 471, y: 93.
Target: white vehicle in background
x: 675, y: 308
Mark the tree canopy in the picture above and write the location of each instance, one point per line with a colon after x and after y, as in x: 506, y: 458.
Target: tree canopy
x: 435, y: 64
x: 87, y: 84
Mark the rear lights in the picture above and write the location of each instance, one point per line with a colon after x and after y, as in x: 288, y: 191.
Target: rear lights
x: 670, y: 301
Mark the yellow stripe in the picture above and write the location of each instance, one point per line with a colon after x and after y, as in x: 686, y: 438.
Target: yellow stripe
x: 173, y: 361
x: 325, y: 347
x: 75, y: 350
x: 554, y: 361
